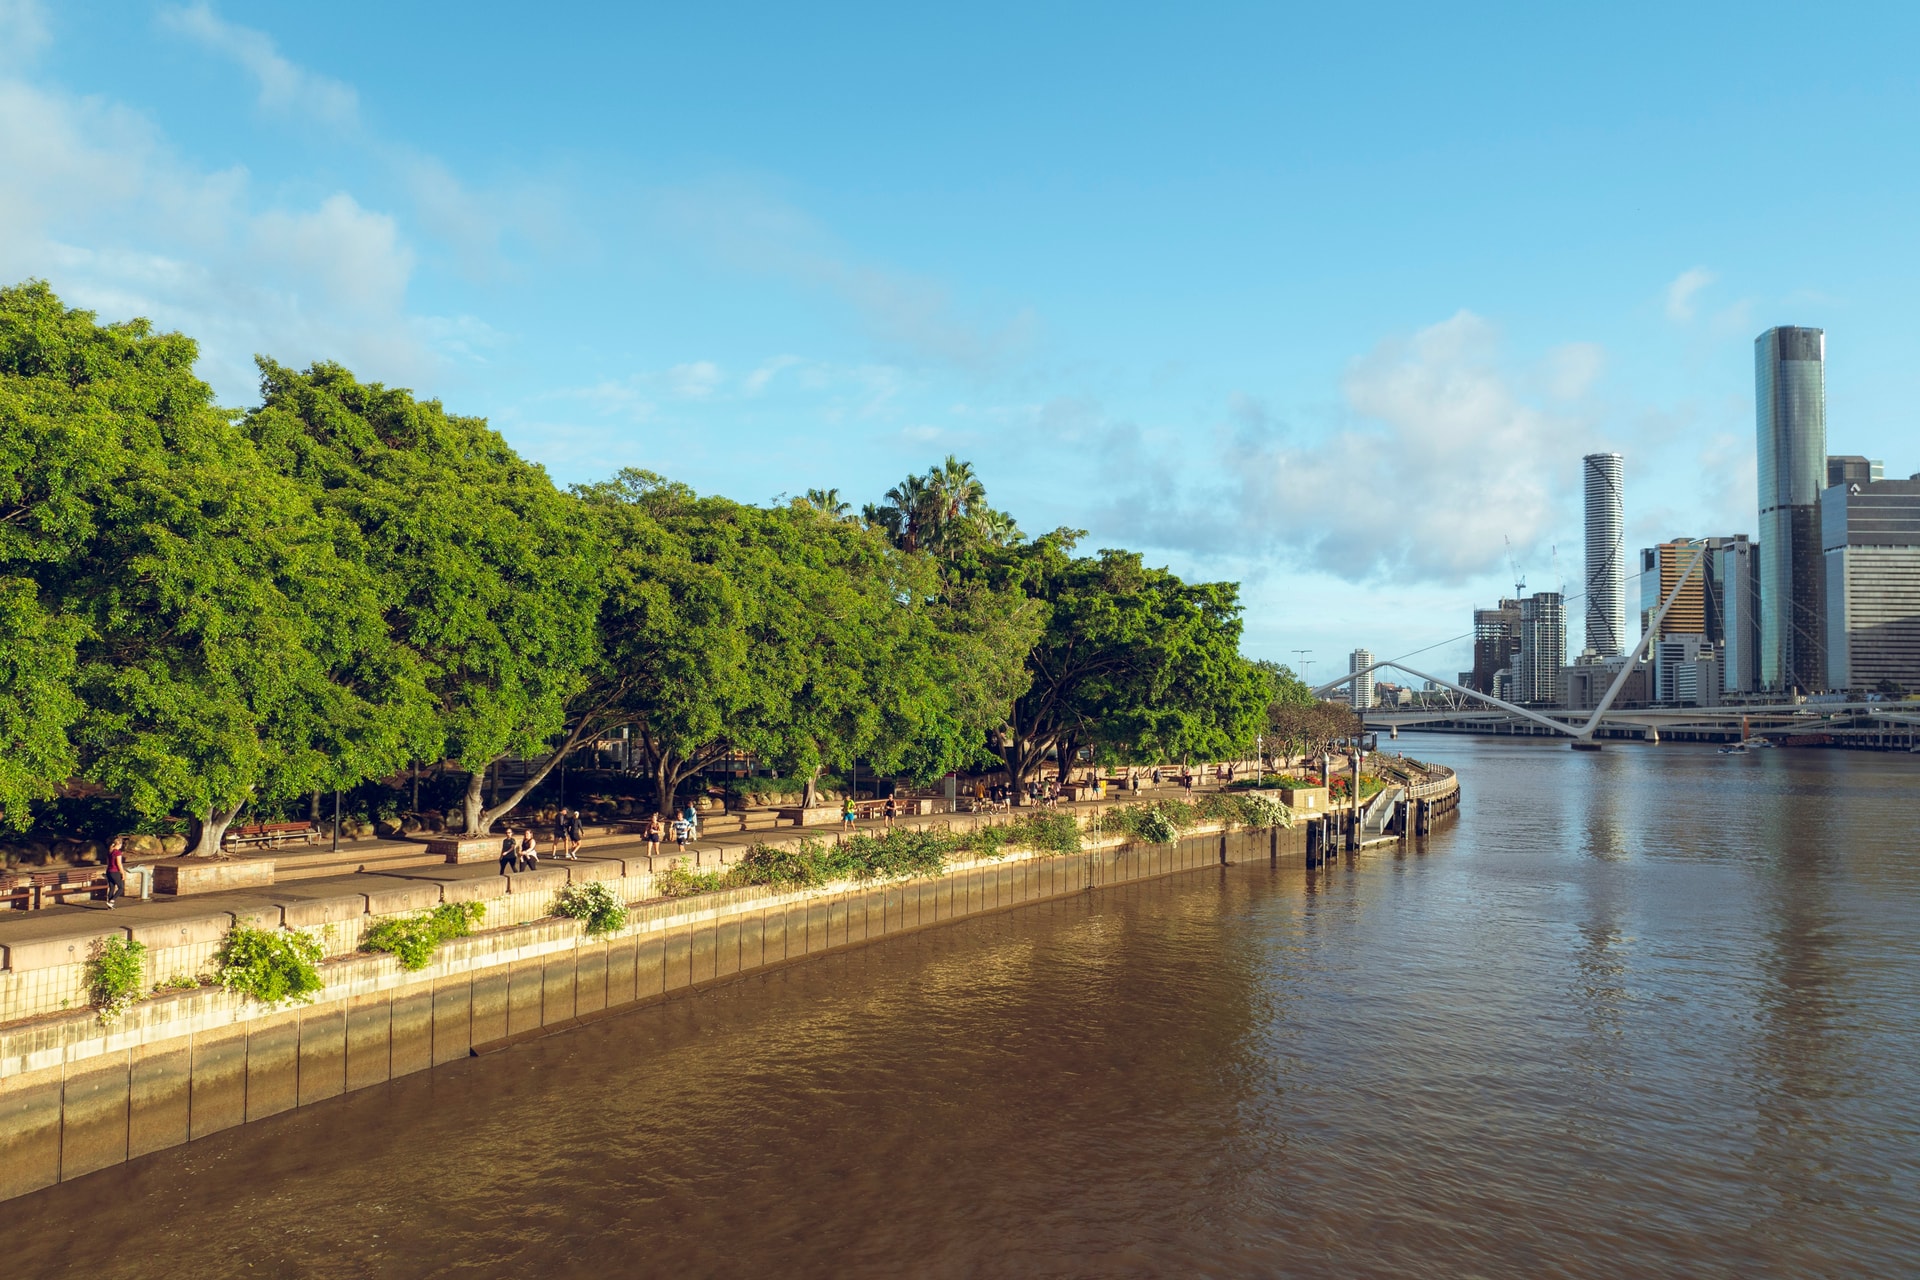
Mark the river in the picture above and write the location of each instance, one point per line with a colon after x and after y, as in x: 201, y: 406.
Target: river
x: 1651, y: 1011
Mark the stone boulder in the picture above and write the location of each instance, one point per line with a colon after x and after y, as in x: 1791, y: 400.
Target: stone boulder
x: 173, y: 846
x: 145, y: 846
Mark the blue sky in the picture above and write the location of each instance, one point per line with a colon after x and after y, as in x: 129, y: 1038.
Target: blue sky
x: 1326, y: 302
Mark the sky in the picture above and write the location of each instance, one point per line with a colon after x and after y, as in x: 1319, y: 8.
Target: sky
x: 1327, y: 300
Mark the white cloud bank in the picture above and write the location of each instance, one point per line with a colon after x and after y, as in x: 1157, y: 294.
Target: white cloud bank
x: 1439, y: 460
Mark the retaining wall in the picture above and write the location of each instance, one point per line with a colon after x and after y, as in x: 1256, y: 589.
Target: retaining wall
x: 76, y: 1097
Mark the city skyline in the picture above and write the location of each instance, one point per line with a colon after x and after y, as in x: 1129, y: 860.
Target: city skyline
x: 1147, y: 287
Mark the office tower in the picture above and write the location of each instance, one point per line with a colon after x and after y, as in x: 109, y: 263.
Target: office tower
x: 1870, y: 538
x: 1736, y: 575
x: 1496, y: 642
x: 1606, y: 556
x: 1661, y: 570
x: 1790, y: 409
x: 1851, y: 468
x: 1360, y: 688
x: 1686, y: 670
x: 1543, y: 648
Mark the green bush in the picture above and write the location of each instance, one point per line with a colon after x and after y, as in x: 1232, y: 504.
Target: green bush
x: 678, y: 882
x: 271, y: 965
x: 412, y: 940
x: 1257, y: 810
x: 115, y: 976
x: 599, y: 906
x: 1154, y: 823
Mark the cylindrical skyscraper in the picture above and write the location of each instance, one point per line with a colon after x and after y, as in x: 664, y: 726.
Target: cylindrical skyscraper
x: 1606, y: 556
x: 1790, y: 405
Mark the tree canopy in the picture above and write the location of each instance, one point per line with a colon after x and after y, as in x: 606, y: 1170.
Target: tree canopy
x: 202, y: 609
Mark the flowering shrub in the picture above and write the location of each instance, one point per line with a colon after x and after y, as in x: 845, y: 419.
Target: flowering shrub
x: 596, y: 904
x: 114, y: 976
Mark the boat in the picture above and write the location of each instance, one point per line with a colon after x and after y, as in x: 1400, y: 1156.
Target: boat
x: 1737, y: 749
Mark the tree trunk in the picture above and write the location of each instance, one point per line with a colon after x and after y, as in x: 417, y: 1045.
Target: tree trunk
x: 213, y: 829
x: 812, y: 793
x: 471, y: 803
x: 534, y: 779
x: 665, y: 784
x: 313, y: 807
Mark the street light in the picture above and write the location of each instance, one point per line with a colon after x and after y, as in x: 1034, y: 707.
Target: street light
x: 1303, y: 658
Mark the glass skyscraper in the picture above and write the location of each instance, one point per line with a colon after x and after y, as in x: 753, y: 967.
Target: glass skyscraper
x: 1790, y: 402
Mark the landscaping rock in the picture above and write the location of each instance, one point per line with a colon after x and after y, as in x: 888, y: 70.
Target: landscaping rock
x: 173, y: 846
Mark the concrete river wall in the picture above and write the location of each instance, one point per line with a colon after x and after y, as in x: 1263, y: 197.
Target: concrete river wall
x: 76, y: 1097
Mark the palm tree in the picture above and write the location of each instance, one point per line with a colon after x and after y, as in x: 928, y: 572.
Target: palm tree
x: 828, y: 503
x: 998, y: 528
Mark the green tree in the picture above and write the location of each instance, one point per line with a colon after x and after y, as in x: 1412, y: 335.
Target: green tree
x: 1133, y: 661
x: 222, y: 651
x: 490, y: 575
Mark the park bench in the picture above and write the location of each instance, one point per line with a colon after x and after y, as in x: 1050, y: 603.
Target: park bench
x: 58, y: 886
x: 270, y: 835
x: 19, y: 893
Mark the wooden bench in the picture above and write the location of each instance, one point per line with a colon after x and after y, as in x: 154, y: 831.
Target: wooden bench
x: 270, y: 835
x: 19, y: 893
x: 61, y: 885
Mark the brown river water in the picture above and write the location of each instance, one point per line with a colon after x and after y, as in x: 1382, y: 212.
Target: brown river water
x: 1646, y: 1012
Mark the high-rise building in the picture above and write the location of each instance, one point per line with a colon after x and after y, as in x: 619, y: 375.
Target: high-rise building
x: 1851, y: 468
x: 1736, y: 577
x: 1686, y: 671
x: 1790, y: 409
x: 1606, y: 555
x: 1360, y: 688
x: 1496, y: 643
x: 1543, y: 648
x: 1663, y: 568
x: 1870, y: 535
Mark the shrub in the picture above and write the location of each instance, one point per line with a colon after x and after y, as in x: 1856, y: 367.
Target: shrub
x: 599, y: 906
x: 1155, y: 823
x: 412, y: 940
x: 115, y: 976
x: 1259, y: 810
x: 678, y: 882
x: 271, y: 965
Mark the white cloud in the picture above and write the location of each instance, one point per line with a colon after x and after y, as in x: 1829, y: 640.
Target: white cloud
x: 283, y: 85
x: 758, y: 381
x: 100, y: 204
x: 1440, y: 461
x: 749, y: 230
x: 695, y: 381
x: 1572, y: 369
x: 1680, y: 293
x: 23, y: 31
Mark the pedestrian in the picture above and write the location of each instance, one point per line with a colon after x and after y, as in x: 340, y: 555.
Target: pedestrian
x: 682, y: 832
x: 529, y: 851
x: 1156, y: 775
x: 510, y: 852
x: 574, y: 835
x: 890, y: 810
x: 655, y: 830
x: 848, y: 812
x: 116, y: 871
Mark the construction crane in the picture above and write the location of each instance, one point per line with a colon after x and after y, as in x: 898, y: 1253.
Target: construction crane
x: 1519, y: 583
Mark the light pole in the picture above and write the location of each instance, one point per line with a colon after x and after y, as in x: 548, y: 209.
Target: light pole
x: 1303, y: 658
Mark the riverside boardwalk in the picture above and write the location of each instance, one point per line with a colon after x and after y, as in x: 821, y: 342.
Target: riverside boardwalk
x: 76, y: 1096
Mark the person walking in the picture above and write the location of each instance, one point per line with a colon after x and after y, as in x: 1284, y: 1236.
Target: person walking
x: 847, y: 812
x: 682, y: 832
x: 510, y: 852
x: 890, y: 811
x: 529, y: 851
x: 655, y: 830
x: 116, y: 871
x: 574, y: 835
